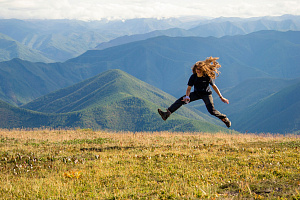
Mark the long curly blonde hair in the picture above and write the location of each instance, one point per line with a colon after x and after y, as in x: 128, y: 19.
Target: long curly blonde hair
x: 209, y: 67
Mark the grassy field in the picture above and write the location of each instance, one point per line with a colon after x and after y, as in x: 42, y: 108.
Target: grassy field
x: 87, y: 164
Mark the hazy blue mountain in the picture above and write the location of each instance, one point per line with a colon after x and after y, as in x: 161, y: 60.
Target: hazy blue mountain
x: 228, y: 27
x: 60, y: 40
x: 22, y: 81
x: 173, y: 32
x: 10, y: 49
x: 253, y: 91
x: 278, y: 113
x: 218, y: 27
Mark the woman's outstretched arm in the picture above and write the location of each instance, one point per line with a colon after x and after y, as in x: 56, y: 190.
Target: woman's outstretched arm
x: 216, y: 89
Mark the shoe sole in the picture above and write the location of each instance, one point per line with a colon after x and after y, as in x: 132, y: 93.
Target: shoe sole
x: 227, y: 123
x: 161, y: 114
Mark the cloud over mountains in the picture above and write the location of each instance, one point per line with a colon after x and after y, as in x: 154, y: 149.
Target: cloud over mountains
x: 128, y: 9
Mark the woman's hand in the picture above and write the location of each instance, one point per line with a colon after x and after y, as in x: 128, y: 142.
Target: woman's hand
x: 224, y: 100
x: 186, y: 99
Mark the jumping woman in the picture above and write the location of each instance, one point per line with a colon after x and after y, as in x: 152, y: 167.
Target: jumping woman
x: 204, y: 74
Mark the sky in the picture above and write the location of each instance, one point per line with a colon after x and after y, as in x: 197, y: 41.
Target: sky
x: 128, y: 9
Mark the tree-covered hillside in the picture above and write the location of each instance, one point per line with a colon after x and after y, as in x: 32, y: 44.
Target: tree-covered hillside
x: 112, y: 100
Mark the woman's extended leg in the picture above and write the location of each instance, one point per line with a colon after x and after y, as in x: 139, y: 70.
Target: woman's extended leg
x: 176, y: 105
x: 209, y: 103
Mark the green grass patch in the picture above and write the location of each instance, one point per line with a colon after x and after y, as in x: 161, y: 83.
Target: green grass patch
x: 66, y: 164
x: 88, y: 141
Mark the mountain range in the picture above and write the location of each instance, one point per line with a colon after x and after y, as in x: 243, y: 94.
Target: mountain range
x: 60, y: 40
x: 112, y: 100
x: 219, y: 27
x: 259, y: 75
x: 164, y: 62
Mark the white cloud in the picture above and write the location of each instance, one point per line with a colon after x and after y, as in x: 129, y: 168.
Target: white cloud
x: 97, y: 9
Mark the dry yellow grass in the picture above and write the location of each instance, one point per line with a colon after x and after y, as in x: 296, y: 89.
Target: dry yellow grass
x: 87, y: 164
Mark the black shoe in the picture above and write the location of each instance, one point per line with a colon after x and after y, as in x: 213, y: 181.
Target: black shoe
x: 164, y: 115
x: 226, y: 121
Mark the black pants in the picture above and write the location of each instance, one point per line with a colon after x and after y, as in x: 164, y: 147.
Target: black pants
x: 208, y: 100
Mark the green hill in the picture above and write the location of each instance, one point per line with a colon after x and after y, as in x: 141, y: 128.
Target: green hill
x: 135, y: 114
x: 108, y: 86
x: 116, y: 100
x: 278, y: 113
